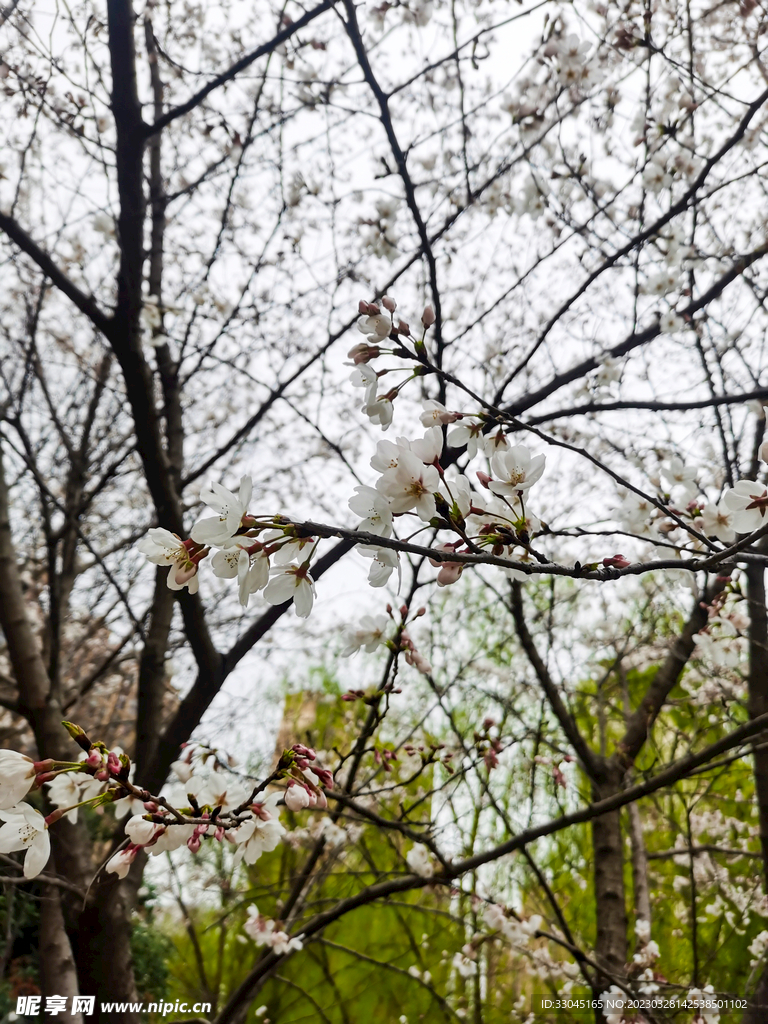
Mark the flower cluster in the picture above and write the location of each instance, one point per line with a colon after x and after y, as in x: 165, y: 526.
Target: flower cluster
x: 482, y: 508
x: 260, y: 558
x: 681, y: 515
x: 219, y: 807
x: 265, y: 932
x: 24, y: 827
x: 203, y: 805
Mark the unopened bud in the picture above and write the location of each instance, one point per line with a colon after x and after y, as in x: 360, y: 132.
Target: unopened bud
x: 78, y: 735
x: 389, y: 304
x: 616, y: 562
x: 484, y: 479
x: 428, y: 316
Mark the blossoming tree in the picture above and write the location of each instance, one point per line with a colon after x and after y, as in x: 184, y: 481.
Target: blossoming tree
x: 536, y: 235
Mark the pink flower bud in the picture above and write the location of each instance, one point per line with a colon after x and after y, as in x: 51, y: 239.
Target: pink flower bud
x: 389, y: 304
x: 193, y: 843
x: 616, y: 562
x: 428, y: 316
x: 302, y: 751
x: 449, y: 574
x: 363, y: 353
x: 484, y: 479
x: 54, y: 816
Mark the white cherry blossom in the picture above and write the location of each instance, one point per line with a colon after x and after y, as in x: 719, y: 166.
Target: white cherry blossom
x: 258, y: 834
x: 670, y: 322
x: 748, y: 502
x: 634, y: 514
x: 429, y: 447
x: 376, y: 327
x: 374, y: 506
x: 495, y: 443
x: 515, y: 470
x: 420, y: 862
x: 140, y: 831
x: 264, y: 932
x: 120, y: 863
x: 171, y: 837
x: 294, y: 550
x: 717, y: 521
x: 435, y: 414
x: 162, y: 547
x: 218, y: 790
x: 72, y: 788
x: 17, y: 775
x: 364, y: 376
x: 466, y: 967
x: 292, y: 582
x: 371, y: 632
x: 410, y: 485
x: 676, y: 474
x: 379, y: 409
x: 25, y: 829
x: 385, y: 561
x: 388, y: 454
x: 469, y: 433
x: 252, y: 574
x: 231, y: 508
x: 224, y: 563
x: 182, y: 770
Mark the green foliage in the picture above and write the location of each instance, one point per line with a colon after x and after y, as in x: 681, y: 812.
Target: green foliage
x: 150, y: 950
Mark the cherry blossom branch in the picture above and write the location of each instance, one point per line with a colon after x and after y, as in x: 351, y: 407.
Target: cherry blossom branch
x: 651, y: 406
x: 226, y: 76
x: 601, y: 574
x: 85, y: 303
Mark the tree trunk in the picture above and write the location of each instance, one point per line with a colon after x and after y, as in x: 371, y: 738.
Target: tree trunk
x: 104, y: 959
x: 610, y: 907
x: 757, y: 1013
x: 58, y: 975
x: 639, y: 866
